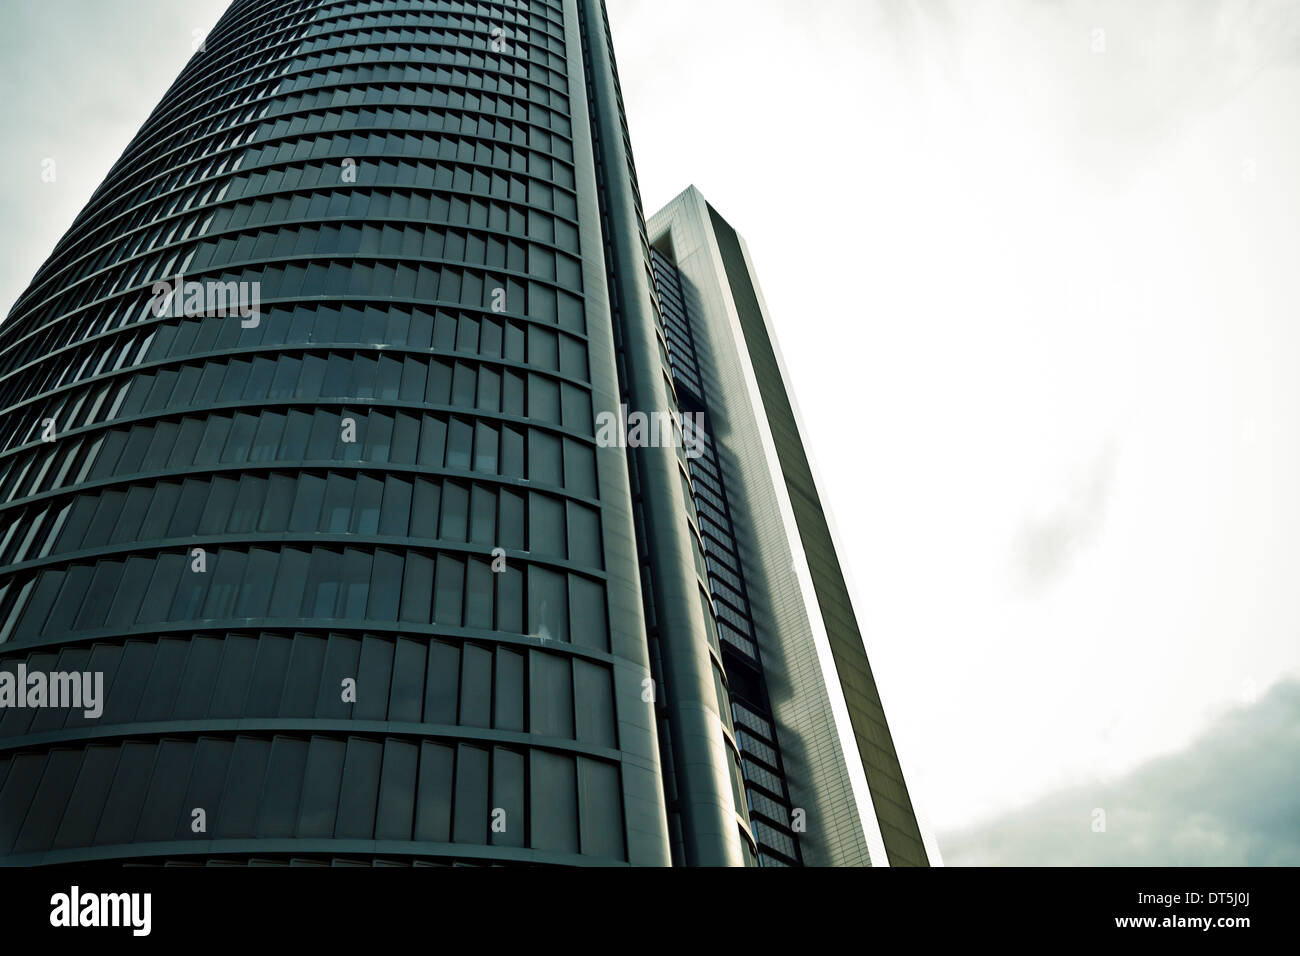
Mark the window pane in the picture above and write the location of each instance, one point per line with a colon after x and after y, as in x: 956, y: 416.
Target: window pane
x: 397, y: 791
x: 433, y: 812
x: 471, y: 794
x: 360, y: 789
x: 554, y: 824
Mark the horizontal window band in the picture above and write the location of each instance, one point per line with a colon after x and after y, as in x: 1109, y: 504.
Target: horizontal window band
x: 330, y: 301
x: 342, y: 404
x: 278, y: 224
x: 289, y: 539
x: 336, y: 727
x: 323, y: 627
x: 294, y: 348
x: 160, y: 199
x: 201, y: 84
x: 311, y: 466
x: 217, y: 272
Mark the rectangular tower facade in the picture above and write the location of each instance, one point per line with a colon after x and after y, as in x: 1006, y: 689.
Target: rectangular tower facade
x: 823, y: 782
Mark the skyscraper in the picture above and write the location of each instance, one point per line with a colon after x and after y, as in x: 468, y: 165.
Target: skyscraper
x: 304, y: 469
x: 813, y: 737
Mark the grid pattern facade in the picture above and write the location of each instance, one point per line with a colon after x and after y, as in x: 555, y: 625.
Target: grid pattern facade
x: 766, y: 794
x: 390, y: 478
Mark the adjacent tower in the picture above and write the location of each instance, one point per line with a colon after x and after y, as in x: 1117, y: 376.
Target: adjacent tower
x: 300, y: 454
x: 811, y: 729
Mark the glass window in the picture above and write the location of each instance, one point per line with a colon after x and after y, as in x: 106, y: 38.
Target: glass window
x: 455, y: 512
x: 450, y: 585
x: 247, y: 506
x: 284, y: 778
x: 321, y: 591
x: 510, y: 601
x: 425, y: 509
x: 49, y: 801
x: 385, y: 586
x: 397, y: 791
x: 543, y: 458
x: 584, y: 535
x: 133, y: 512
x: 297, y: 432
x: 546, y: 526
x: 486, y: 450
x: 374, y: 676
x: 512, y: 453
x: 355, y: 586
x: 308, y: 500
x: 417, y: 588
x: 406, y: 697
x: 220, y: 502
x: 320, y: 789
x: 302, y: 681
x: 551, y: 689
x: 548, y: 615
x: 255, y: 591
x: 476, y: 686
x: 471, y: 824
x: 554, y: 802
x: 161, y: 814
x: 267, y: 439
x: 88, y: 798
x: 342, y: 655
x: 243, y: 791
x: 106, y: 515
x: 287, y: 596
x: 433, y: 438
x: 442, y: 686
x: 267, y: 685
x: 279, y: 503
x: 579, y: 468
x: 433, y: 810
x: 602, y: 809
x: 460, y: 439
x: 240, y: 438
x: 594, y: 704
x: 360, y: 790
x: 509, y: 691
x: 197, y: 679
x: 233, y: 675
x: 395, y: 513
x: 543, y: 399
x: 478, y: 594
x: 16, y: 796
x: 587, y: 612
x: 99, y: 595
x: 164, y: 680
x: 126, y: 798
x: 507, y: 797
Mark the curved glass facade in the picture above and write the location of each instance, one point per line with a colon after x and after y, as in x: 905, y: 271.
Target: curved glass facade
x: 334, y: 528
x: 311, y: 548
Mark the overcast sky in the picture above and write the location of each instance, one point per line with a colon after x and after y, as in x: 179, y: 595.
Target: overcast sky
x: 1033, y: 267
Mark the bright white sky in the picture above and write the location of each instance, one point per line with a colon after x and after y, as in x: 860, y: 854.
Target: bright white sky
x: 1038, y: 304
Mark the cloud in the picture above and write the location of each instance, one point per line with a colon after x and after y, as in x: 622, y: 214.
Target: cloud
x: 1232, y: 798
x: 1048, y: 542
